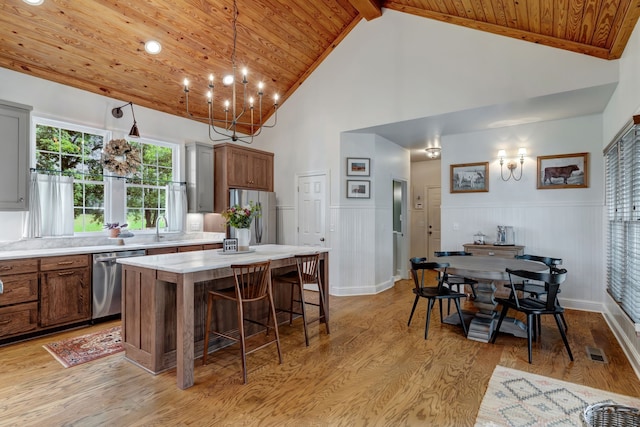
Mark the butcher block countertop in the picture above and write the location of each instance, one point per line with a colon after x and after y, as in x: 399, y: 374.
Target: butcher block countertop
x: 190, y: 262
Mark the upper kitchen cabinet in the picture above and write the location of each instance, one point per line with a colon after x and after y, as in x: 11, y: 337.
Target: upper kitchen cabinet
x: 199, y: 164
x: 15, y: 121
x: 240, y: 167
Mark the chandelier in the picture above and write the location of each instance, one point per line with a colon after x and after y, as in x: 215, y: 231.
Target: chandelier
x: 235, y: 114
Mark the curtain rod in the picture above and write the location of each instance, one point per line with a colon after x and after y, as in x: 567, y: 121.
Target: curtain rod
x: 61, y: 172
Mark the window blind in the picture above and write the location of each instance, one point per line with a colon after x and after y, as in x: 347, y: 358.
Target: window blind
x: 622, y: 198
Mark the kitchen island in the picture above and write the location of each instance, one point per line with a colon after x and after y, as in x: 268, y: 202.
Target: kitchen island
x: 164, y: 301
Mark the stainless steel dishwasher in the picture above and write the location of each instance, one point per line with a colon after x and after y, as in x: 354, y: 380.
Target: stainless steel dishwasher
x: 107, y: 283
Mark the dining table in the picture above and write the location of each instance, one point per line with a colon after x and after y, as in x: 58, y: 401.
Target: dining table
x: 489, y: 272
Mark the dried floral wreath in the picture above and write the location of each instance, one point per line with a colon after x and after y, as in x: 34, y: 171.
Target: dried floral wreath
x: 120, y: 157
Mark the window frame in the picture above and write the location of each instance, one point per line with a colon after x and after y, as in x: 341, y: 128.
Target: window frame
x: 115, y: 204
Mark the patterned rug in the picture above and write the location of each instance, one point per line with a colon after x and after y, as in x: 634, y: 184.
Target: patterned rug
x: 85, y: 348
x: 517, y: 399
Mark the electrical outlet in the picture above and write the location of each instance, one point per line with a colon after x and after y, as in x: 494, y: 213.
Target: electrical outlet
x: 195, y: 226
x: 456, y: 226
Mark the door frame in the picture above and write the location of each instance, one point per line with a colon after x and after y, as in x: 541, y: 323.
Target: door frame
x: 405, y: 246
x: 327, y: 177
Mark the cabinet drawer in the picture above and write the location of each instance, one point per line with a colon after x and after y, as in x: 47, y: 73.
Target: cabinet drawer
x: 18, y: 267
x: 19, y: 288
x: 18, y: 319
x: 64, y: 262
x: 160, y: 251
x: 210, y: 246
x: 190, y: 248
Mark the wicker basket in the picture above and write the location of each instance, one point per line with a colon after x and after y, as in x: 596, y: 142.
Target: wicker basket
x: 610, y: 415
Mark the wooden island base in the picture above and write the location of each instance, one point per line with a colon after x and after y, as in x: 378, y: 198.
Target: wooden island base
x: 154, y: 310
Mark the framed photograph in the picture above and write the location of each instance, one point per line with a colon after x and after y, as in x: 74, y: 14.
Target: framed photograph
x: 358, y: 166
x: 358, y: 189
x: 563, y: 171
x: 470, y: 178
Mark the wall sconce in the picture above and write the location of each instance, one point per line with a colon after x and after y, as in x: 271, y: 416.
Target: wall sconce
x: 511, y: 164
x: 433, y: 152
x: 117, y: 113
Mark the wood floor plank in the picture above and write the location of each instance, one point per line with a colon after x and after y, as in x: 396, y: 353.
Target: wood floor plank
x: 372, y: 370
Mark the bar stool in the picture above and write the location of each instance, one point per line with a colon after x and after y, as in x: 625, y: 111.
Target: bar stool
x: 306, y: 273
x: 252, y: 284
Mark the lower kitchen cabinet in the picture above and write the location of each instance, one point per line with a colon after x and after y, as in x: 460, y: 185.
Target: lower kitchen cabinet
x: 65, y: 293
x: 18, y: 319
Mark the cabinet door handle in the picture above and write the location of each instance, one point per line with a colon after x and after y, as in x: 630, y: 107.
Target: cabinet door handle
x: 491, y: 253
x: 66, y: 273
x: 6, y: 267
x: 65, y: 263
x: 5, y: 322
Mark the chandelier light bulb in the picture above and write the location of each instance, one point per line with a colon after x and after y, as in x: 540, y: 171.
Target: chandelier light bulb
x: 227, y: 80
x: 240, y: 109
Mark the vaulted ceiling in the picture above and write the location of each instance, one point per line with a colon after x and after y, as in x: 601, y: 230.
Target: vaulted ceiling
x: 98, y: 45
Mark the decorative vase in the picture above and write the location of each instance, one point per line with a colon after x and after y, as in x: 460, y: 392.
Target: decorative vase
x: 244, y: 236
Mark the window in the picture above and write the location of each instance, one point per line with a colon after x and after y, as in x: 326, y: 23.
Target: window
x: 622, y: 197
x: 74, y: 151
x: 146, y: 193
x: 77, y: 151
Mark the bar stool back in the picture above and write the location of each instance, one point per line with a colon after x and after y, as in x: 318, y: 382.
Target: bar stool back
x: 252, y: 284
x: 306, y: 273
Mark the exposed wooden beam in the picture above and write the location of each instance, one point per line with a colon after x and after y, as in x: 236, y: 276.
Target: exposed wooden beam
x: 369, y: 9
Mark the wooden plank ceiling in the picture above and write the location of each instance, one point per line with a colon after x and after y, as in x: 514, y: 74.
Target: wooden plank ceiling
x: 98, y: 45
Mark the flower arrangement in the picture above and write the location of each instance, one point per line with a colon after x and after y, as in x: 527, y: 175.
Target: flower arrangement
x: 114, y: 228
x: 120, y: 157
x: 114, y: 225
x: 240, y: 217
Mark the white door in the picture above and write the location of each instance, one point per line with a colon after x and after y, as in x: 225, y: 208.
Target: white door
x: 433, y: 220
x: 312, y: 204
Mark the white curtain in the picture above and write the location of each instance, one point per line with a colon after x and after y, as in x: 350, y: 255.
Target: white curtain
x: 32, y: 226
x: 176, y: 206
x: 50, y: 206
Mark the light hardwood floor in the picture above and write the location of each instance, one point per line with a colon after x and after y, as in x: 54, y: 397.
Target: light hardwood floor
x: 372, y: 370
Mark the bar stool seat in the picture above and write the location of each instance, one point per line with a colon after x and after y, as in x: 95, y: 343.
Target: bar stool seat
x: 252, y: 284
x: 306, y: 273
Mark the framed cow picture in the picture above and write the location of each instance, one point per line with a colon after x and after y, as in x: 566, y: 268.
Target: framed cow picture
x: 469, y: 178
x: 563, y: 171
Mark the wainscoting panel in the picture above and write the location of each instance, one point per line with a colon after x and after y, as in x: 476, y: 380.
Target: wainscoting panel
x: 568, y: 231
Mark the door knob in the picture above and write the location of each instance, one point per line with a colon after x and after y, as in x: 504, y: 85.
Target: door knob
x: 322, y: 239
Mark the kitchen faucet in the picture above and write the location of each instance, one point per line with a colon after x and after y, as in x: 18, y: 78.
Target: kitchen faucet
x: 166, y: 225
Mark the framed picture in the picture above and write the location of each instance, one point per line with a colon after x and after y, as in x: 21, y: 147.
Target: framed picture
x: 358, y: 189
x: 470, y: 178
x: 357, y: 166
x: 563, y: 171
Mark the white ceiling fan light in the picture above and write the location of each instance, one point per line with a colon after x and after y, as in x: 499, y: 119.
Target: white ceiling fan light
x: 34, y: 2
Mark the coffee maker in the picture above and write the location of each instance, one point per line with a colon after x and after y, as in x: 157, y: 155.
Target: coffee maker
x: 505, y: 236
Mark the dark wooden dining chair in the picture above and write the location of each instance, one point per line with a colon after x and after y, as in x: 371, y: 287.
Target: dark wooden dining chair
x: 423, y: 271
x: 534, y: 307
x: 306, y: 273
x: 458, y: 281
x: 252, y: 284
x: 538, y: 290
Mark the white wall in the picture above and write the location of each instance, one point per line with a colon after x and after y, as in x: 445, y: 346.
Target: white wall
x: 561, y: 223
x: 395, y: 68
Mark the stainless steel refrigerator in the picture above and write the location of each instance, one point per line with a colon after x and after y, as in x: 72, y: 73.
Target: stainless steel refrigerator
x: 263, y: 229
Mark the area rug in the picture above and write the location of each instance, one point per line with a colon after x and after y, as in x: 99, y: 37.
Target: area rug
x: 85, y: 348
x: 517, y: 399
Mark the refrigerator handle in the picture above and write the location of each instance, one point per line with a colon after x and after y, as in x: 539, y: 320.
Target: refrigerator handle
x: 258, y: 225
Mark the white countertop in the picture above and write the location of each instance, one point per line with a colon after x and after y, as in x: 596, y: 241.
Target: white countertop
x: 71, y: 250
x: 190, y: 262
